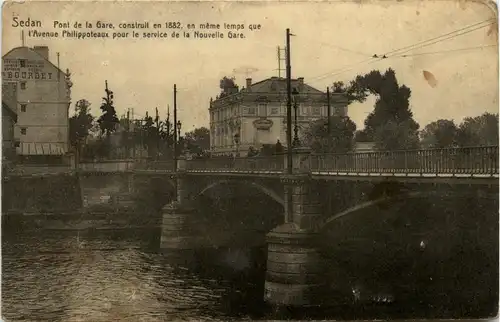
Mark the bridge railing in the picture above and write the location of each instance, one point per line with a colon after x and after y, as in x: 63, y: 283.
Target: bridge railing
x: 470, y: 160
x: 240, y: 164
x: 155, y: 165
x: 107, y: 166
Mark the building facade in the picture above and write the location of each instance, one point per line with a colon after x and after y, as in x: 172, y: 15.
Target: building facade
x: 9, y: 119
x: 41, y: 94
x: 256, y: 115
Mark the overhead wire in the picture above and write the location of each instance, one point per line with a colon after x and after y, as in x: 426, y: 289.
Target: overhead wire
x: 446, y: 51
x: 376, y: 58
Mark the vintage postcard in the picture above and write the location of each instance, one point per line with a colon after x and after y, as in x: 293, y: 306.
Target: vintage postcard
x: 222, y: 161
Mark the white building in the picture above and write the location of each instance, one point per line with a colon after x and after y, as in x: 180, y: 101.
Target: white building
x: 42, y: 95
x: 258, y: 113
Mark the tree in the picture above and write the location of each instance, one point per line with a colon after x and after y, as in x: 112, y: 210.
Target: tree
x: 339, y: 140
x: 108, y: 120
x: 148, y: 134
x: 479, y: 130
x: 439, y: 134
x: 198, y: 140
x: 360, y: 136
x: 391, y: 110
x: 395, y: 135
x: 153, y: 134
x: 227, y: 86
x: 81, y: 123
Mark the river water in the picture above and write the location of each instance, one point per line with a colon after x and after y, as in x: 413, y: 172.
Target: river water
x: 121, y: 275
x: 55, y: 276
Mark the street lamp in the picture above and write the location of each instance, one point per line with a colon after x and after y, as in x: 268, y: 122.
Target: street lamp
x: 179, y: 130
x: 296, y: 141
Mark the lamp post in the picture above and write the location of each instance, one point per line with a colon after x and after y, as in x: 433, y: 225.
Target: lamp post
x: 296, y: 141
x: 178, y: 126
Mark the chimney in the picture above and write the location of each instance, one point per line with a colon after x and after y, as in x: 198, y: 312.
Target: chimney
x: 42, y: 51
x: 300, y: 81
x: 249, y: 83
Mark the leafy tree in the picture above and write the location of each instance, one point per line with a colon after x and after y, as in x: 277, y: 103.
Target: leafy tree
x: 108, y: 120
x: 227, y: 86
x: 149, y: 134
x: 439, y: 134
x: 391, y: 110
x: 479, y: 131
x: 198, y: 140
x: 153, y: 134
x: 81, y: 123
x: 396, y: 135
x: 360, y: 136
x: 339, y: 140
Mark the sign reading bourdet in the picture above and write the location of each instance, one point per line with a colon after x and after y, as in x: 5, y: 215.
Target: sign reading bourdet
x: 18, y: 69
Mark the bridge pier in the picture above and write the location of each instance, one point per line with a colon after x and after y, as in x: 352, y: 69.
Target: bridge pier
x: 294, y: 274
x: 179, y: 220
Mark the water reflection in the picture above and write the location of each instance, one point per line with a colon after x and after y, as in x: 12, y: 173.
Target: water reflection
x: 81, y: 278
x: 384, y: 260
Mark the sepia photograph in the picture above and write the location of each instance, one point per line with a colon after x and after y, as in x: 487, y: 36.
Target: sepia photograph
x: 249, y: 160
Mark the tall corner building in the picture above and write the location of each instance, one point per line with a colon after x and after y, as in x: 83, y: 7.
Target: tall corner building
x: 257, y: 113
x: 41, y: 93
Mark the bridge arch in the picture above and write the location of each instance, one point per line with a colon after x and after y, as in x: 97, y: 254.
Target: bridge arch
x: 410, y: 195
x: 267, y: 191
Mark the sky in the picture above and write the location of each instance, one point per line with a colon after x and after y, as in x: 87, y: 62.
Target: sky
x: 333, y: 41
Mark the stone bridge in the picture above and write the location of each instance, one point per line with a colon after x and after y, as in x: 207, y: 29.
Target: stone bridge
x: 318, y: 191
x: 315, y: 193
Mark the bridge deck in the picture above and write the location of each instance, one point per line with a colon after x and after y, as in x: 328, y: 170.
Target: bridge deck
x: 456, y: 163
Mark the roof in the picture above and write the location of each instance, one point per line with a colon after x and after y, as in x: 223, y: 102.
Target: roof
x: 34, y: 52
x: 9, y: 110
x: 278, y: 84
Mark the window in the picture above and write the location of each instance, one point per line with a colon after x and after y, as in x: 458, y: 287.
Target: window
x: 23, y: 131
x: 22, y: 62
x: 23, y: 85
x: 23, y: 107
x: 275, y: 110
x: 17, y: 143
x: 262, y: 110
x: 316, y: 111
x: 251, y: 110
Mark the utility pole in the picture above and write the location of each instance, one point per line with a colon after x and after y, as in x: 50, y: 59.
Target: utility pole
x: 175, y: 128
x: 134, y: 137
x: 329, y: 110
x: 289, y: 104
x: 128, y: 134
x: 157, y: 121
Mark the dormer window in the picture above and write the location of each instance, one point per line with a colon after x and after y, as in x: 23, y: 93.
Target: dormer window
x: 22, y: 63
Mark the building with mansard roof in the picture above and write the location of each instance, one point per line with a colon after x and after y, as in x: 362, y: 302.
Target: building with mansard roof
x: 39, y: 92
x: 256, y: 114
